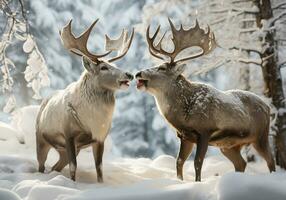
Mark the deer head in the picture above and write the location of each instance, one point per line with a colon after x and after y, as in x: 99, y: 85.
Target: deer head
x: 100, y: 70
x: 158, y: 77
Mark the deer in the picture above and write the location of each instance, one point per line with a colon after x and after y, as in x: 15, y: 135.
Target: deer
x: 200, y: 113
x: 81, y: 115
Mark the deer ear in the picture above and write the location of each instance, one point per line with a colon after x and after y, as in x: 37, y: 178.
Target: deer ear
x: 87, y: 63
x: 180, y: 68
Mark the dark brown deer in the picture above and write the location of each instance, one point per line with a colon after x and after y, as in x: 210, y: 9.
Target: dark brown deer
x: 200, y: 113
x: 81, y: 115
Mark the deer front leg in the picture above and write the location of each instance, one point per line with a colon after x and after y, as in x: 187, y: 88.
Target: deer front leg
x: 185, y: 150
x: 98, y: 149
x: 202, y: 146
x: 71, y: 152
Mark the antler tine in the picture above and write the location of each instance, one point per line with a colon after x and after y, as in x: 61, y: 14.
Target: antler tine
x: 153, y: 49
x: 195, y: 36
x: 124, y: 46
x: 78, y: 45
x: 182, y: 39
x: 150, y: 42
x: 173, y: 28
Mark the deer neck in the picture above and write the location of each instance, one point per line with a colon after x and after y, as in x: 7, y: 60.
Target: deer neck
x: 93, y: 92
x: 167, y: 98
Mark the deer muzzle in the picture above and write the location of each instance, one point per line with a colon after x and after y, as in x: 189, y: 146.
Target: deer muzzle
x: 141, y: 81
x: 124, y: 83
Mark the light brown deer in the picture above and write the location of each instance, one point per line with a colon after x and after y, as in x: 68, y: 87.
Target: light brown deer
x: 81, y: 114
x: 200, y: 113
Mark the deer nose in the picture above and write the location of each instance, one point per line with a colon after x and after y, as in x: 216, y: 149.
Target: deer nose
x: 138, y: 75
x: 130, y: 76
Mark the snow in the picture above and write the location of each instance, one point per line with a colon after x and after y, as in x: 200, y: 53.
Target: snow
x: 124, y: 178
x: 28, y: 44
x: 267, y: 186
x: 6, y: 194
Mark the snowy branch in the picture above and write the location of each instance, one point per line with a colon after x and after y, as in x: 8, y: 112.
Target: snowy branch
x: 273, y: 21
x: 249, y: 61
x: 16, y: 29
x: 236, y: 10
x: 279, y: 6
x: 218, y: 21
x: 246, y: 49
x: 248, y: 30
x: 282, y: 64
x: 212, y: 66
x: 241, y: 1
x: 24, y: 15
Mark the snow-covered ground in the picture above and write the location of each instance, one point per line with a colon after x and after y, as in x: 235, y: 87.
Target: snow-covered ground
x: 124, y: 178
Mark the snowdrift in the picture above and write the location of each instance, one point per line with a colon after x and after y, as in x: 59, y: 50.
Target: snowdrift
x: 124, y: 178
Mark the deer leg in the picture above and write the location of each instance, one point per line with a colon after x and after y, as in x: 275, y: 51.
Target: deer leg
x: 62, y: 162
x: 42, y: 153
x: 202, y: 146
x: 263, y: 148
x: 71, y: 154
x: 233, y: 154
x: 185, y: 150
x: 98, y: 149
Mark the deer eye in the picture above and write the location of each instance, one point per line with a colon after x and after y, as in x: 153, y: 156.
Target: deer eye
x: 103, y: 68
x: 161, y: 69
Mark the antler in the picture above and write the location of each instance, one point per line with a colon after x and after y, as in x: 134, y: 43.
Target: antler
x: 182, y: 39
x: 122, y: 44
x: 78, y: 45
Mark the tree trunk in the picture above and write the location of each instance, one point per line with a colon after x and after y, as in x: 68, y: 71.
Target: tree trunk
x: 244, y: 80
x: 273, y: 81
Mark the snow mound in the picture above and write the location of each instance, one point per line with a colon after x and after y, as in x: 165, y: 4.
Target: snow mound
x: 124, y: 178
x: 44, y: 192
x: 13, y: 164
x: 142, y: 178
x: 237, y: 186
x: 7, y: 132
x: 8, y: 195
x: 24, y: 120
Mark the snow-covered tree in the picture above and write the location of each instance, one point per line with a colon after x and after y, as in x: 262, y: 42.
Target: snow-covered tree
x: 251, y: 31
x: 19, y: 53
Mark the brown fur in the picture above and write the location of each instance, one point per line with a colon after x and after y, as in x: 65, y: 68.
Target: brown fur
x: 206, y: 116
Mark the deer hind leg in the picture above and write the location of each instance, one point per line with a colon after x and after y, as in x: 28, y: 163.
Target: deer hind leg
x: 98, y: 149
x: 62, y: 162
x: 42, y: 152
x: 263, y: 148
x: 185, y: 151
x: 233, y: 154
